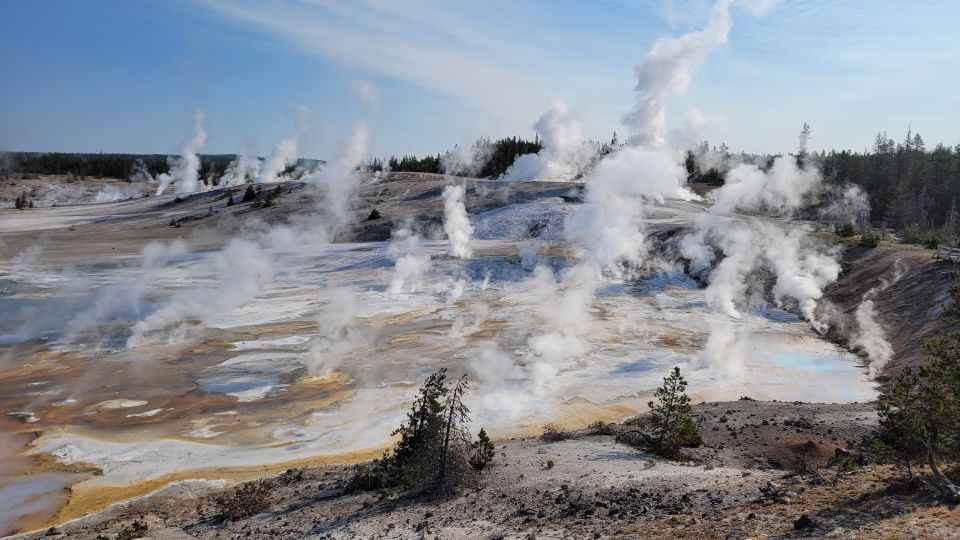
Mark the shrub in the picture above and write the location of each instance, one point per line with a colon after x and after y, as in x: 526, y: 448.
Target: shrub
x: 929, y: 238
x: 553, y: 433
x: 230, y: 201
x: 869, y: 240
x: 249, y: 194
x: 137, y: 529
x: 374, y: 215
x: 483, y: 451
x: 600, y: 428
x: 20, y: 202
x: 245, y: 500
x: 845, y: 231
x: 689, y: 434
x: 848, y: 464
x: 272, y: 196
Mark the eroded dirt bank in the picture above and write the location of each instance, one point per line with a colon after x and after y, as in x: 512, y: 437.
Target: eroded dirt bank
x: 908, y: 308
x: 596, y: 487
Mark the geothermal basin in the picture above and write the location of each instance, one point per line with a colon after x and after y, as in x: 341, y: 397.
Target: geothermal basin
x: 125, y: 373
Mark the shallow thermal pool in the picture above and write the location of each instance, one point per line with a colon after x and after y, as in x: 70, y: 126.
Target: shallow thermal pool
x: 321, y: 353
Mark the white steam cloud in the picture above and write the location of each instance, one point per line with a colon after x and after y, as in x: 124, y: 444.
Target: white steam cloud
x: 338, y: 178
x: 668, y: 70
x: 870, y: 336
x: 563, y: 323
x: 610, y: 223
x: 800, y: 265
x: 339, y: 333
x: 285, y: 153
x: 411, y: 263
x: 242, y: 268
x: 127, y: 295
x: 564, y: 318
x: 185, y: 170
x: 26, y: 259
x: 847, y: 205
x: 111, y: 193
x: 241, y: 170
x: 456, y: 222
x: 565, y: 154
x: 466, y: 161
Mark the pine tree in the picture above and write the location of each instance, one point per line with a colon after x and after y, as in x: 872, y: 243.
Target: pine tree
x: 483, y: 451
x: 455, y: 433
x: 950, y: 226
x: 920, y: 414
x: 802, y: 145
x: 671, y: 421
x: 434, y: 452
x: 918, y: 144
x: 417, y: 452
x: 271, y: 198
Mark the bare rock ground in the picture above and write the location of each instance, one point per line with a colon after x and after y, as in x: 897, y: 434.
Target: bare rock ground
x: 591, y: 486
x: 89, y: 233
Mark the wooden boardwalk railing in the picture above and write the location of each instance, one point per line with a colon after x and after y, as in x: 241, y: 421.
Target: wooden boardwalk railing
x: 944, y: 253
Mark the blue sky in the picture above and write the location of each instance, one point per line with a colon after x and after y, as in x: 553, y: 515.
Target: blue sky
x: 124, y: 76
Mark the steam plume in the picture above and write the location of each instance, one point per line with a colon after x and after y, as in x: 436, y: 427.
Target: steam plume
x: 185, y: 170
x: 800, y: 265
x: 338, y: 179
x: 242, y: 169
x: 565, y: 151
x: 668, y: 69
x: 870, y: 336
x: 466, y: 161
x: 338, y: 333
x: 456, y: 222
x: 610, y: 221
x: 242, y: 266
x: 285, y: 153
x: 411, y: 263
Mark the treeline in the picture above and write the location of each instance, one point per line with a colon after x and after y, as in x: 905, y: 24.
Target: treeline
x: 909, y: 185
x: 426, y: 164
x: 485, y: 159
x: 911, y: 188
x: 124, y: 166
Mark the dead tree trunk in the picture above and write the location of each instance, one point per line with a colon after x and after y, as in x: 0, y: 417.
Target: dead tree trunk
x: 948, y: 490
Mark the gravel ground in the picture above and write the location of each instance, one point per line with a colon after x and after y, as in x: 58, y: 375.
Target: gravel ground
x: 596, y: 487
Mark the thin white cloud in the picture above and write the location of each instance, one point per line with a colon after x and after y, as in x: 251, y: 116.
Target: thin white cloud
x: 410, y: 42
x: 365, y: 91
x: 502, y: 63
